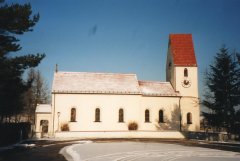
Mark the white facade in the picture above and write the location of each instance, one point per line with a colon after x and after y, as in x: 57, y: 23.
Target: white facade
x: 43, y: 115
x: 89, y: 104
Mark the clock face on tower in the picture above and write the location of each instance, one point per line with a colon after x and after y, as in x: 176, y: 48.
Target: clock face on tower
x: 186, y: 83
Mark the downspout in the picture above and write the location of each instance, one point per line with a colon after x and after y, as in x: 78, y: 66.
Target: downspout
x: 53, y: 92
x: 180, y: 117
x: 53, y: 111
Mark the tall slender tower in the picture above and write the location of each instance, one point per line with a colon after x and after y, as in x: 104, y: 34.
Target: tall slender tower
x: 182, y: 72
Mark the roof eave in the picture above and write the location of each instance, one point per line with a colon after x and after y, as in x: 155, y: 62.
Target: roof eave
x: 185, y: 65
x: 97, y: 92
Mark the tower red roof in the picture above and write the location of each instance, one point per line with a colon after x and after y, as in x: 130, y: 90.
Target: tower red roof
x: 182, y: 50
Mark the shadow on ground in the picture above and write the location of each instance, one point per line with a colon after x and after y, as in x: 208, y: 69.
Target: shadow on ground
x: 43, y: 151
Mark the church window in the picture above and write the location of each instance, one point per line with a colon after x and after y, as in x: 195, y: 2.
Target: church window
x: 147, y: 117
x: 73, y: 115
x: 189, y: 118
x: 161, y: 120
x: 121, y: 115
x: 185, y: 72
x: 97, y: 115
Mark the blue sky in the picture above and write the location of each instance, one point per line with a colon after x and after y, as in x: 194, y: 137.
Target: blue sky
x: 128, y: 36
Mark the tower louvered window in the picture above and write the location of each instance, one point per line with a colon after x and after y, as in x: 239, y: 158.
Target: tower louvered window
x: 185, y: 72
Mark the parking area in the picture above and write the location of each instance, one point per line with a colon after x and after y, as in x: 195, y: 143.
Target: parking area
x: 144, y: 151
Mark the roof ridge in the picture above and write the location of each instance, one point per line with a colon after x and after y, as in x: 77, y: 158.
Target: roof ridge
x: 148, y: 81
x: 180, y: 34
x: 43, y: 104
x: 106, y: 73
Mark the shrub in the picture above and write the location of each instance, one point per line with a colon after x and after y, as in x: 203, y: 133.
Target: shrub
x: 132, y: 126
x: 65, y: 127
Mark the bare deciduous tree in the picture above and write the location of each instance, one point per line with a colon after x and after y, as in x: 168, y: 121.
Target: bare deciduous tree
x: 37, y: 94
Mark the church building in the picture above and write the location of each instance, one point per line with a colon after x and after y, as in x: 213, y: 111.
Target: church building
x: 116, y: 105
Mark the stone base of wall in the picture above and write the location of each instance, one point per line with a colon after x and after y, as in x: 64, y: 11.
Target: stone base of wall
x: 120, y: 134
x: 210, y: 136
x: 39, y: 135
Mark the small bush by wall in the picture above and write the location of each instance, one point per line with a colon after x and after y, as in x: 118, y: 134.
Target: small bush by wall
x: 132, y: 125
x: 65, y: 127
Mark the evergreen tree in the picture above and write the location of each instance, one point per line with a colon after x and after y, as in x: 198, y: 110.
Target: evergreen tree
x: 222, y: 81
x: 238, y: 57
x: 15, y: 20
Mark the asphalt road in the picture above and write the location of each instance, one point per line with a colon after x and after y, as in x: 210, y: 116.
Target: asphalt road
x: 144, y: 151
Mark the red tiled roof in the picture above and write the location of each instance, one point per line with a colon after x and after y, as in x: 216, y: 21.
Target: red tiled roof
x: 182, y: 50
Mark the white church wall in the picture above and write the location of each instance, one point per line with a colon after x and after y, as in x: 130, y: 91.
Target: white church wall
x: 134, y: 107
x: 86, y: 104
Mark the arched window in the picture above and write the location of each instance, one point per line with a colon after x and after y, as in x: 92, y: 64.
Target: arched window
x: 185, y: 72
x: 121, y: 115
x: 97, y: 115
x: 73, y: 115
x: 147, y: 117
x: 189, y: 118
x: 161, y: 120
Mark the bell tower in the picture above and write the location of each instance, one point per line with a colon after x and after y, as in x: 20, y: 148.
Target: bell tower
x: 181, y: 66
x: 182, y: 73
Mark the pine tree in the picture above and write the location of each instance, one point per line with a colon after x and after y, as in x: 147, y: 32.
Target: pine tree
x: 238, y: 57
x: 15, y: 20
x: 222, y: 81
